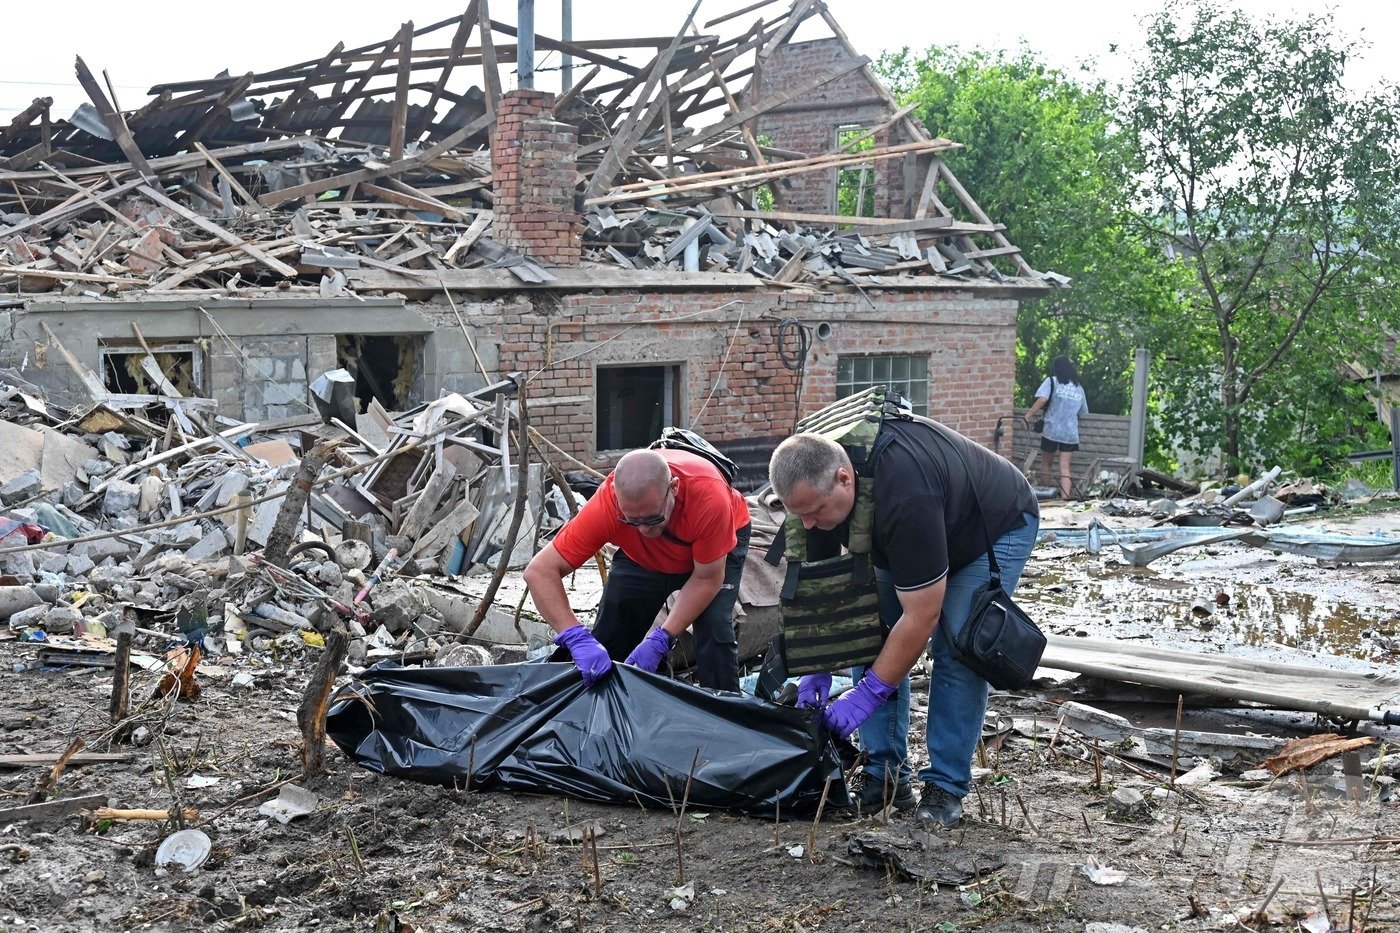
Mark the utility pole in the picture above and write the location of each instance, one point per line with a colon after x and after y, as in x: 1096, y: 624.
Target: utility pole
x: 567, y: 29
x: 1137, y: 422
x: 525, y: 43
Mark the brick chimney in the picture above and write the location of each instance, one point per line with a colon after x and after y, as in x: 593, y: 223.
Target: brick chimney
x: 534, y: 175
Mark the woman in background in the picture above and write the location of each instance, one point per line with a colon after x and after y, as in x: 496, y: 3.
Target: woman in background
x: 1061, y: 397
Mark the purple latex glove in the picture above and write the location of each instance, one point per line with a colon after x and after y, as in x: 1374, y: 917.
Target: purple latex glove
x: 651, y: 652
x: 813, y: 690
x: 854, y: 707
x: 590, y: 658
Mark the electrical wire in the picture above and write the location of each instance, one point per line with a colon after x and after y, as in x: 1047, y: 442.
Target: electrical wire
x: 792, y: 327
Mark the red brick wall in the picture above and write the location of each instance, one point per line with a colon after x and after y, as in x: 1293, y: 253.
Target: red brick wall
x: 533, y: 180
x: 850, y: 99
x: 969, y: 341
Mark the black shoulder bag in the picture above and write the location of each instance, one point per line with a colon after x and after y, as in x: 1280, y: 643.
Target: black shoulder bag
x: 998, y: 642
x: 1039, y: 425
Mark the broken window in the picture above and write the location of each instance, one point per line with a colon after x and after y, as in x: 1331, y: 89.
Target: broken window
x: 125, y: 370
x: 635, y: 403
x: 907, y: 375
x: 855, y: 184
x: 386, y: 367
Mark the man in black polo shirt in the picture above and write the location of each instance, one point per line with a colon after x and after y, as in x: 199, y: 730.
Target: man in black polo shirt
x: 930, y: 560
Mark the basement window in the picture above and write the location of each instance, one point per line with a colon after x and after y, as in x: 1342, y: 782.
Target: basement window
x: 635, y: 403
x: 124, y: 371
x: 907, y: 374
x: 855, y: 184
x: 386, y: 367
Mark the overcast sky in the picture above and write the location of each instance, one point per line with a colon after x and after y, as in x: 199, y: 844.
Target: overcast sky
x: 146, y: 42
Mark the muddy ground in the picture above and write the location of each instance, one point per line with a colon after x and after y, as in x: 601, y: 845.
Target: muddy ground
x: 385, y: 854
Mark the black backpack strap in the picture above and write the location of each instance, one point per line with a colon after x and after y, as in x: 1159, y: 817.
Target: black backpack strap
x: 773, y: 674
x: 779, y: 545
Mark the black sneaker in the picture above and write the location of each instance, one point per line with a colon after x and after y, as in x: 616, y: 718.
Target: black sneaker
x: 938, y: 809
x: 875, y: 795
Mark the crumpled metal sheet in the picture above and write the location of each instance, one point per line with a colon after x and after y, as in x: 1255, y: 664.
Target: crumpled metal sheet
x: 633, y: 737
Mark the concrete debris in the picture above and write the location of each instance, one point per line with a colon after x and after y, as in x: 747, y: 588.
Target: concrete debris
x: 168, y: 522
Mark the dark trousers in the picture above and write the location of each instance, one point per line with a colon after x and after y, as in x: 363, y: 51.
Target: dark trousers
x: 634, y: 595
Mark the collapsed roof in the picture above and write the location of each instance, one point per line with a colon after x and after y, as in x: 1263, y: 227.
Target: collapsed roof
x: 379, y: 158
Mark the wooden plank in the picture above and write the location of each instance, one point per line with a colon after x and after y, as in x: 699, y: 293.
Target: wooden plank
x: 399, y: 123
x: 112, y: 119
x: 217, y: 110
x: 207, y: 225
x: 578, y: 50
x: 89, y: 379
x: 565, y: 279
x: 227, y: 176
x: 455, y: 523
x: 43, y: 759
x: 947, y: 226
x: 454, y: 56
x: 24, y: 118
x: 301, y: 91
x: 632, y: 128
x: 467, y: 240
x: 74, y: 205
x: 225, y: 260
x: 343, y: 104
x: 914, y: 130
x: 737, y: 13
x: 640, y: 191
x: 401, y: 193
x: 490, y: 71
x: 976, y: 211
x: 762, y: 107
x: 427, y: 502
x: 164, y: 163
x: 63, y: 275
x: 572, y: 93
x: 53, y: 809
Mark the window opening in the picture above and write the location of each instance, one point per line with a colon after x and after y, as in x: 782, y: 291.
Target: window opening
x: 908, y: 375
x: 635, y: 403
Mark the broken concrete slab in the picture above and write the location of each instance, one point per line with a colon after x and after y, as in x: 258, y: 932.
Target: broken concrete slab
x: 21, y: 487
x: 120, y: 497
x: 16, y: 599
x: 214, y: 544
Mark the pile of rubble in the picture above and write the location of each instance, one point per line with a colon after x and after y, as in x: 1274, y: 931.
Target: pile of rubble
x: 263, y: 534
x: 297, y: 177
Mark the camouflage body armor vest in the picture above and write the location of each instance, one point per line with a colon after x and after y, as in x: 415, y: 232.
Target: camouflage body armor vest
x: 831, y: 607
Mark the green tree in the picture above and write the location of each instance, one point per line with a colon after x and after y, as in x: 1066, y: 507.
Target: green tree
x: 1277, y: 189
x: 1043, y: 155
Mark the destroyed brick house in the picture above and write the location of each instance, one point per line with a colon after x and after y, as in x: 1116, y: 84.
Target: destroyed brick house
x: 735, y: 231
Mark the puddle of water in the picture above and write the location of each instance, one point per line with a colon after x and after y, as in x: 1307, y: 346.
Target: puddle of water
x: 1125, y: 602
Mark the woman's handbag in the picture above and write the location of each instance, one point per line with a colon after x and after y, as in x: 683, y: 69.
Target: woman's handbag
x: 998, y: 642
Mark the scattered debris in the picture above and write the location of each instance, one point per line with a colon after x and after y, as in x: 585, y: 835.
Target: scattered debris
x: 1101, y: 874
x: 185, y: 850
x: 1302, y: 754
x: 292, y: 802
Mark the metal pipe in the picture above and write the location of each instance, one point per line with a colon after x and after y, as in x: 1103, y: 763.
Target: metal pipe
x: 567, y: 29
x: 525, y: 43
x: 1137, y: 424
x: 1395, y: 445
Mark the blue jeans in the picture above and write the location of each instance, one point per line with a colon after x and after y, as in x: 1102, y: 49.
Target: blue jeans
x: 957, y: 698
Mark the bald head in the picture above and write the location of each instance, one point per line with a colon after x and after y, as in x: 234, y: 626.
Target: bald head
x: 640, y: 476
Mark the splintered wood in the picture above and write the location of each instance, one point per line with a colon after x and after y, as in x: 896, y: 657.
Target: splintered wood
x: 370, y: 169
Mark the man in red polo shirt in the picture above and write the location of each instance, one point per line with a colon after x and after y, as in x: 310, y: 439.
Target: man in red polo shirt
x: 678, y: 525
